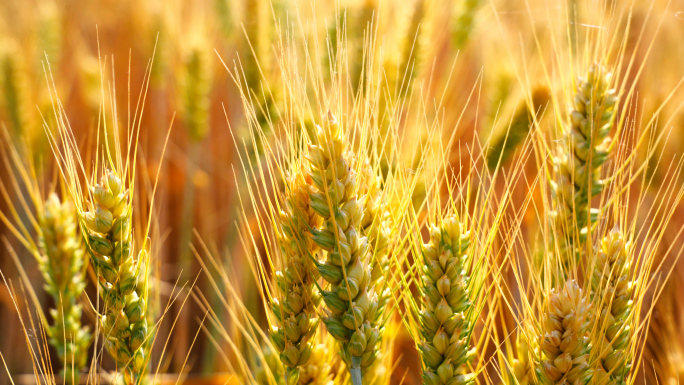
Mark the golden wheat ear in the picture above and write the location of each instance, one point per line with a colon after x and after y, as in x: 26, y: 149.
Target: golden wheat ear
x: 585, y: 147
x: 565, y: 343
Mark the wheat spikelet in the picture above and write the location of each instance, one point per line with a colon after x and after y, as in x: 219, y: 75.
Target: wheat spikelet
x: 62, y: 269
x: 585, y: 147
x: 612, y: 286
x: 351, y: 302
x: 295, y: 312
x: 110, y: 243
x: 521, y: 365
x: 566, y: 343
x: 445, y: 328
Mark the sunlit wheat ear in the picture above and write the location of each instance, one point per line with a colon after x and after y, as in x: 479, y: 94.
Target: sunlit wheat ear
x: 351, y: 304
x: 62, y: 269
x: 565, y: 344
x: 612, y: 290
x: 107, y: 226
x: 445, y: 329
x: 584, y: 148
x: 297, y: 299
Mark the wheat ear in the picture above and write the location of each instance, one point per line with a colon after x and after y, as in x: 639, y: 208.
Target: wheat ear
x: 612, y: 288
x: 295, y: 312
x: 445, y: 327
x: 351, y: 302
x: 62, y: 269
x: 566, y: 344
x: 584, y: 148
x: 110, y: 243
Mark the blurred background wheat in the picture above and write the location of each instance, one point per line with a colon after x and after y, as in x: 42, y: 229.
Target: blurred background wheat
x: 453, y: 107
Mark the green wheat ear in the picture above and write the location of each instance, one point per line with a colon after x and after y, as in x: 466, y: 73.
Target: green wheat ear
x: 351, y: 304
x: 110, y: 243
x: 584, y: 149
x: 612, y: 289
x: 295, y: 307
x: 444, y: 345
x: 62, y: 269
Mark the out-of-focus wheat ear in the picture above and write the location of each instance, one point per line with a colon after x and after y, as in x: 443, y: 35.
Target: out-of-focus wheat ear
x: 15, y: 86
x: 196, y: 78
x: 255, y: 53
x: 445, y: 327
x: 464, y: 22
x: 198, y: 74
x: 50, y: 35
x: 565, y: 343
x: 612, y: 290
x: 351, y: 303
x: 62, y: 269
x: 577, y: 166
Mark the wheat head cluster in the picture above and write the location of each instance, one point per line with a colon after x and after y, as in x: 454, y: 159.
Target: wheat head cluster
x: 350, y: 192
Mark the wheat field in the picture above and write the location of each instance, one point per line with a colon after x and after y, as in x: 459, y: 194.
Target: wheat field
x: 341, y: 192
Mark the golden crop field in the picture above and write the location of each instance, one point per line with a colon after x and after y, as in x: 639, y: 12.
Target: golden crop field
x: 341, y: 192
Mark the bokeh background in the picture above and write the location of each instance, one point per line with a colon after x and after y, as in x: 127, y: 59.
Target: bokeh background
x: 483, y: 61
